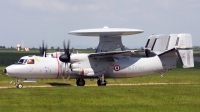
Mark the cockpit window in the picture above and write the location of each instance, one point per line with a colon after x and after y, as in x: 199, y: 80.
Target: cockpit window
x: 25, y: 61
x: 20, y: 61
x: 30, y: 61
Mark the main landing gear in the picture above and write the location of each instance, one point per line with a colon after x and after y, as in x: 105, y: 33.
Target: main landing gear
x: 80, y: 82
x: 101, y: 81
x: 18, y: 84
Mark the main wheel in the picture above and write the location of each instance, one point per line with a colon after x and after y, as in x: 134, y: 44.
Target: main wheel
x: 80, y: 82
x: 99, y: 83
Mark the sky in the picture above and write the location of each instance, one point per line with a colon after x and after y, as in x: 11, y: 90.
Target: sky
x: 50, y: 20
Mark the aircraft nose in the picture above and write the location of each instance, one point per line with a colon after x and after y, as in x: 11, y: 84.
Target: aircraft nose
x: 5, y: 71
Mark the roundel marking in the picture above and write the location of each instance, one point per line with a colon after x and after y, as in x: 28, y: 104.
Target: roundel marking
x: 116, y: 67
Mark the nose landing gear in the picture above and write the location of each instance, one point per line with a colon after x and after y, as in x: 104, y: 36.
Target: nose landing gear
x: 18, y: 84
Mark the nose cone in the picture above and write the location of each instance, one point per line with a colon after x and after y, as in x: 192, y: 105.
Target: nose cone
x: 10, y: 70
x: 5, y: 71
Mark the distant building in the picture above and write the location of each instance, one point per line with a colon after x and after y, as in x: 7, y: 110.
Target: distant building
x: 18, y: 47
x: 26, y: 49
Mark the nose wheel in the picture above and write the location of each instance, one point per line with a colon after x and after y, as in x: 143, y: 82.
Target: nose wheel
x: 80, y: 82
x: 19, y: 85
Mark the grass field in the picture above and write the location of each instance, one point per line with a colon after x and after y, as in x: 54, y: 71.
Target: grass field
x: 179, y: 98
x: 184, y: 96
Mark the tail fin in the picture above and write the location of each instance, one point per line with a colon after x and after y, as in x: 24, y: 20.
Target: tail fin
x: 156, y: 44
x: 150, y: 42
x: 185, y: 50
x: 160, y: 44
x: 179, y: 45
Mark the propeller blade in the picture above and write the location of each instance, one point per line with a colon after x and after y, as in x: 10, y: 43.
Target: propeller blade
x: 68, y: 72
x: 63, y: 74
x: 68, y: 44
x: 64, y: 45
x: 43, y: 49
x: 66, y: 56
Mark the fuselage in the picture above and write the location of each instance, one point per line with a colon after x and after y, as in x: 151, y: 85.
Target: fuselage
x: 81, y: 66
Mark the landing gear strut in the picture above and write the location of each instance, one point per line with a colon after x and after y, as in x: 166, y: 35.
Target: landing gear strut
x: 80, y: 82
x: 101, y: 81
x: 18, y: 84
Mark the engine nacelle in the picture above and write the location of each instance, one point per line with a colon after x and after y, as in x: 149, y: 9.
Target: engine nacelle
x: 75, y: 58
x: 75, y: 66
x: 84, y: 72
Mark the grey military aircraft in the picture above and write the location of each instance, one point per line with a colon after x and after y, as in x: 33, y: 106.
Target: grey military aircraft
x: 161, y: 51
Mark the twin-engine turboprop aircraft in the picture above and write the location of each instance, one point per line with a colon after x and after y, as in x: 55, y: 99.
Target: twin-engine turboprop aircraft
x: 161, y: 51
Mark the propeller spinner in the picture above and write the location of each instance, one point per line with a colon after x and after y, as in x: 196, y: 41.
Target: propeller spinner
x: 65, y: 58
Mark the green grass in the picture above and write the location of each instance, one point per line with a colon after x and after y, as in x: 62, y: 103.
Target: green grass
x: 180, y: 98
x: 151, y: 98
x: 197, y: 53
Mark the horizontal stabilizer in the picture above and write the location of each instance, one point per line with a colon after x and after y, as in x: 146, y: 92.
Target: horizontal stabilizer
x: 149, y: 53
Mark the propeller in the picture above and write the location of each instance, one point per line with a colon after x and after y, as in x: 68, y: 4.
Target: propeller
x: 65, y: 58
x: 43, y: 50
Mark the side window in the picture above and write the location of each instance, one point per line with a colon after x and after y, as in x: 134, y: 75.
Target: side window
x: 30, y: 61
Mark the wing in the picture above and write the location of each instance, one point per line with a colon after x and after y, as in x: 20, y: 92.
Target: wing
x: 111, y: 54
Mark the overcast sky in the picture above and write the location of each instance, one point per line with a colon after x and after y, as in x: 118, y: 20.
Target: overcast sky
x: 35, y: 20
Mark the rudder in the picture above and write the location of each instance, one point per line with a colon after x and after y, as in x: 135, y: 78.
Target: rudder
x: 185, y: 50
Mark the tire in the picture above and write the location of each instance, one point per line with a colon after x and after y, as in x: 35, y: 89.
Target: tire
x: 100, y: 84
x: 80, y: 82
x: 19, y: 85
